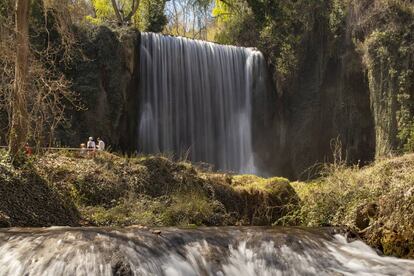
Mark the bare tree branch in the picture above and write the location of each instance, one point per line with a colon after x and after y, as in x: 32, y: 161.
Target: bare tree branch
x: 117, y: 12
x: 134, y: 8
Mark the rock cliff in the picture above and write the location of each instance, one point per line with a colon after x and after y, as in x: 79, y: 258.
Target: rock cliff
x: 106, y: 78
x: 351, y: 95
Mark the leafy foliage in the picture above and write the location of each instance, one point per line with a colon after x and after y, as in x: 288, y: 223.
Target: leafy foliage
x: 150, y: 16
x: 103, y: 12
x: 277, y: 28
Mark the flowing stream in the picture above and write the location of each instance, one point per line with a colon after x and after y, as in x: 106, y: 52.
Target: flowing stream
x: 196, y: 100
x: 205, y: 251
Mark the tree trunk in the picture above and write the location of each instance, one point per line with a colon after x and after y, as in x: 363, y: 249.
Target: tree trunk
x: 117, y: 12
x: 134, y: 8
x: 19, y: 121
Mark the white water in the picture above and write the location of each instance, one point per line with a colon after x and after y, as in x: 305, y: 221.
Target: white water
x: 210, y: 251
x: 196, y: 100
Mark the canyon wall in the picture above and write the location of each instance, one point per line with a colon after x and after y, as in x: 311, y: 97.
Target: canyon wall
x: 325, y: 108
x: 106, y: 77
x: 350, y: 97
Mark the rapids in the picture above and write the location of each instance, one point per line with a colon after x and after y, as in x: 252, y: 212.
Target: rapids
x: 235, y: 251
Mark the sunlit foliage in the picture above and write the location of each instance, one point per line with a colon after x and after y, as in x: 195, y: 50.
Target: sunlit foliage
x: 150, y: 16
x: 103, y: 11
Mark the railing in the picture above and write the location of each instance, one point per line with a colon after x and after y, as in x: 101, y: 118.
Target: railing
x: 55, y: 148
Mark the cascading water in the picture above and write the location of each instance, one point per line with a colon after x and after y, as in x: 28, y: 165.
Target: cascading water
x: 196, y: 99
x: 209, y: 251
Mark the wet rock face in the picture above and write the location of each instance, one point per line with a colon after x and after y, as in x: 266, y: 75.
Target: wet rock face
x: 294, y: 128
x: 106, y: 78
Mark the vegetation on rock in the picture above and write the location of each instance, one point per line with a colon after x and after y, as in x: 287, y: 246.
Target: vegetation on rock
x: 155, y: 191
x: 388, y: 47
x: 377, y: 202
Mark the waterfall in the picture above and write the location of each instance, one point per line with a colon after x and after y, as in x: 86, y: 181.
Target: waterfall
x: 196, y: 100
x: 190, y: 252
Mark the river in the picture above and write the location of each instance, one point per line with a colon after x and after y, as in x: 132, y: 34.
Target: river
x: 235, y: 251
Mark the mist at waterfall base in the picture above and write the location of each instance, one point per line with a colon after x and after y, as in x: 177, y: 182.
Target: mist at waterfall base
x: 196, y: 100
x: 205, y: 251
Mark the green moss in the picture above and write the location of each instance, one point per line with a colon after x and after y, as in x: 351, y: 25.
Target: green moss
x: 190, y: 208
x: 127, y: 211
x: 180, y: 209
x: 264, y: 200
x: 253, y: 182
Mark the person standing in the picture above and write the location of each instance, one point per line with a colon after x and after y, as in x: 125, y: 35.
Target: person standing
x: 90, y: 145
x: 101, y: 144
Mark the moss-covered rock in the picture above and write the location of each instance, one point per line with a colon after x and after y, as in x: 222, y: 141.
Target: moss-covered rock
x: 263, y: 201
x: 387, y: 49
x: 153, y: 190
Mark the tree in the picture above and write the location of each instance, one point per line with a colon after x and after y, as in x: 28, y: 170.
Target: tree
x: 189, y: 18
x: 150, y: 16
x: 124, y: 15
x: 30, y: 62
x: 19, y: 121
x: 120, y: 11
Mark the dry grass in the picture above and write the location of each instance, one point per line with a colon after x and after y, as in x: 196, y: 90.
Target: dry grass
x: 376, y: 201
x: 154, y: 190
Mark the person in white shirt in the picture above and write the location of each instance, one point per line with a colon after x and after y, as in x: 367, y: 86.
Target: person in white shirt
x: 90, y: 145
x: 101, y: 144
